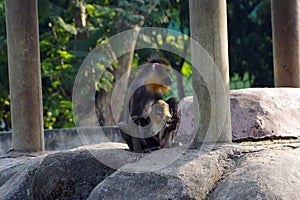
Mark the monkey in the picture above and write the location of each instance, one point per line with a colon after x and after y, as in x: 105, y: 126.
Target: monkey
x: 159, y: 115
x: 164, y: 119
x: 167, y: 135
x: 150, y: 84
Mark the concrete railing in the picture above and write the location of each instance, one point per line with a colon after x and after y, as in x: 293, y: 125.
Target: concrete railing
x: 61, y: 139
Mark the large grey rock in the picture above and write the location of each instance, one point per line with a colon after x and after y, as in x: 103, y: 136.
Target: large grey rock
x: 261, y: 170
x: 16, y: 177
x: 256, y: 113
x: 64, y: 175
x: 264, y: 171
x: 185, y: 129
x: 265, y: 112
x: 268, y: 174
x: 192, y: 175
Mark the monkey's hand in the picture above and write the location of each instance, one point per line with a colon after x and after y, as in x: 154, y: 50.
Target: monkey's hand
x: 141, y: 121
x: 136, y: 119
x: 136, y: 157
x: 124, y: 127
x: 150, y: 149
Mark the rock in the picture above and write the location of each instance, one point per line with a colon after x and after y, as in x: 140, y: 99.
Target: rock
x: 16, y: 175
x: 230, y: 171
x: 258, y: 113
x: 64, y: 175
x: 264, y: 171
x: 185, y: 129
x: 68, y: 175
x: 248, y: 170
x: 269, y: 174
x: 191, y: 176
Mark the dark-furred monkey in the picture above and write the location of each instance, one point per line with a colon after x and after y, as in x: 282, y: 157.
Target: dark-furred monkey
x: 150, y: 85
x: 160, y: 119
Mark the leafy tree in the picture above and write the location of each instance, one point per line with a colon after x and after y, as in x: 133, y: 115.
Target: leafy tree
x: 59, y: 67
x: 177, y: 18
x: 4, y: 87
x: 250, y: 41
x: 67, y: 49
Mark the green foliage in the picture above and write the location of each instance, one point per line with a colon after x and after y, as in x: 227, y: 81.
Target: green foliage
x: 62, y: 53
x: 250, y: 43
x: 4, y: 87
x: 186, y: 69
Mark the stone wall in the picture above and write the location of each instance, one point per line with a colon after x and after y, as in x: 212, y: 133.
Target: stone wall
x: 61, y: 139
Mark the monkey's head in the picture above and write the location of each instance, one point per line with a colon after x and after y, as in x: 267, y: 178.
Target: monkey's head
x: 158, y: 75
x: 159, y: 114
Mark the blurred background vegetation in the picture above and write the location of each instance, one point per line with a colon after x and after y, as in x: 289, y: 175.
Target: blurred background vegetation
x: 70, y: 29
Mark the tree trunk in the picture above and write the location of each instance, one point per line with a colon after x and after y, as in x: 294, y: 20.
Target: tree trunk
x: 109, y: 114
x: 180, y: 86
x: 179, y: 75
x: 80, y: 19
x: 208, y: 23
x: 24, y: 75
x: 286, y: 42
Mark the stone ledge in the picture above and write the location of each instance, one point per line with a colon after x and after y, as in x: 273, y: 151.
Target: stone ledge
x: 62, y: 175
x: 229, y: 171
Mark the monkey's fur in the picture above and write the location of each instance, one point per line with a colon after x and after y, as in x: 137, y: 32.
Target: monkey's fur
x: 164, y: 121
x: 166, y: 136
x: 160, y: 116
x: 149, y: 86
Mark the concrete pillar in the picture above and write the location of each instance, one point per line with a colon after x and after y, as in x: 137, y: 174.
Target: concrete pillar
x: 286, y: 42
x: 24, y: 75
x: 208, y: 21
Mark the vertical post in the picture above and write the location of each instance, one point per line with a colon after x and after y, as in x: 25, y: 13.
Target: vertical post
x: 208, y: 21
x: 24, y: 75
x: 286, y: 42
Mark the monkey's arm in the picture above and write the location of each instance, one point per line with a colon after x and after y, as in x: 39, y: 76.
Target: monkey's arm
x: 140, y: 98
x: 173, y: 106
x: 138, y: 101
x: 167, y: 135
